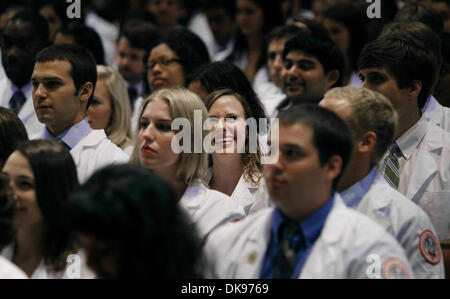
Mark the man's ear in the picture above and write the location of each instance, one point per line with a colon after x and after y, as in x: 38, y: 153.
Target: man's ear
x: 86, y: 91
x: 334, y: 167
x: 367, y: 142
x: 415, y: 89
x: 332, y: 78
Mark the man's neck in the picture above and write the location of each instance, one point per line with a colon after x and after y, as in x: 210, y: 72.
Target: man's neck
x: 356, y: 170
x: 408, y: 120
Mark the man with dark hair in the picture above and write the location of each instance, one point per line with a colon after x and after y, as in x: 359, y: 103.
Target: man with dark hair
x: 372, y: 120
x: 63, y: 80
x: 270, y: 92
x: 221, y: 16
x: 421, y: 12
x: 304, y: 235
x: 417, y: 20
x: 404, y: 70
x: 312, y: 65
x: 442, y: 90
x: 133, y: 43
x: 23, y: 37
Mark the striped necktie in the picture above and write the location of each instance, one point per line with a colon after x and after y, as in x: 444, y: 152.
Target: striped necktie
x: 17, y: 100
x: 391, y: 166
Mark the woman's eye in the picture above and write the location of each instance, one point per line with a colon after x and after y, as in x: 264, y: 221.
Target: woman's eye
x: 143, y: 124
x: 25, y: 185
x: 164, y: 127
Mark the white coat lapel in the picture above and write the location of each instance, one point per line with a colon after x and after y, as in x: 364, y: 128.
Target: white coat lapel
x: 252, y: 256
x: 324, y: 254
x: 243, y: 194
x: 426, y: 164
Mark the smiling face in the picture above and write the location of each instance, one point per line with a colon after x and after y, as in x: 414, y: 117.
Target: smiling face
x: 304, y: 79
x: 229, y: 121
x: 166, y: 70
x: 56, y: 101
x: 100, y: 110
x: 21, y: 180
x: 155, y: 137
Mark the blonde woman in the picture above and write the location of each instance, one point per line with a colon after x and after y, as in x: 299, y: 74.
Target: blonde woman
x: 235, y: 172
x: 184, y: 171
x: 110, y: 108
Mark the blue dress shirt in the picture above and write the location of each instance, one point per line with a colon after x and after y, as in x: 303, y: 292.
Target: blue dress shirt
x: 311, y: 228
x: 73, y: 135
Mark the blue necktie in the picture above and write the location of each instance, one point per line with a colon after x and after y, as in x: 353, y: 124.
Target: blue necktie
x: 17, y: 101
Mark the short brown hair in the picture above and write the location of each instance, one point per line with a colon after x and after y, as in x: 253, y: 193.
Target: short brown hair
x: 371, y: 111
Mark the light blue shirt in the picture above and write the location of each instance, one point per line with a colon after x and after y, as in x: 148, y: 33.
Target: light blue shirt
x: 353, y: 195
x: 311, y: 228
x: 73, y: 135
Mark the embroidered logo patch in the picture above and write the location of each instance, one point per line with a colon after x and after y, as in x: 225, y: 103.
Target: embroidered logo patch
x: 429, y: 247
x: 394, y: 268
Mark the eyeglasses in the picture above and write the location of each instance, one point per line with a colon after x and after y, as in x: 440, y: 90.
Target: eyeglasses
x: 162, y: 63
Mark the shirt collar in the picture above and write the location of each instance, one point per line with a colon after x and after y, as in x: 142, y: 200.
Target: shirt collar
x: 25, y: 89
x: 73, y: 135
x: 353, y: 195
x: 411, y: 139
x: 311, y: 226
x: 139, y: 87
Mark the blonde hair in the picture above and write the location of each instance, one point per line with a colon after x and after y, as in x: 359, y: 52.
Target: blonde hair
x: 251, y: 162
x: 371, y: 111
x: 118, y: 129
x: 182, y: 102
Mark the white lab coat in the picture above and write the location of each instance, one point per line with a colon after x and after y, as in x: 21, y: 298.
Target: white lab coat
x: 76, y: 267
x: 94, y: 152
x: 437, y: 114
x: 27, y: 114
x: 250, y: 196
x: 270, y: 96
x: 405, y: 221
x: 349, y: 246
x: 208, y: 208
x: 135, y: 115
x: 425, y: 176
x: 10, y: 271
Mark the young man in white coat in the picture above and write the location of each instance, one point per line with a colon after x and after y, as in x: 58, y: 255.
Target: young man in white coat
x: 403, y: 69
x: 22, y: 38
x: 63, y: 81
x: 310, y: 233
x: 372, y: 120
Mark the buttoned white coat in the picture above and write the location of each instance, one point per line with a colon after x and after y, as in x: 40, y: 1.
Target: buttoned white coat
x: 209, y: 209
x: 429, y: 178
x: 405, y: 221
x: 94, y: 152
x: 349, y: 246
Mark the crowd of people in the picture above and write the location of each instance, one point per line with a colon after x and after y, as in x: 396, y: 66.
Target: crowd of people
x: 225, y: 139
